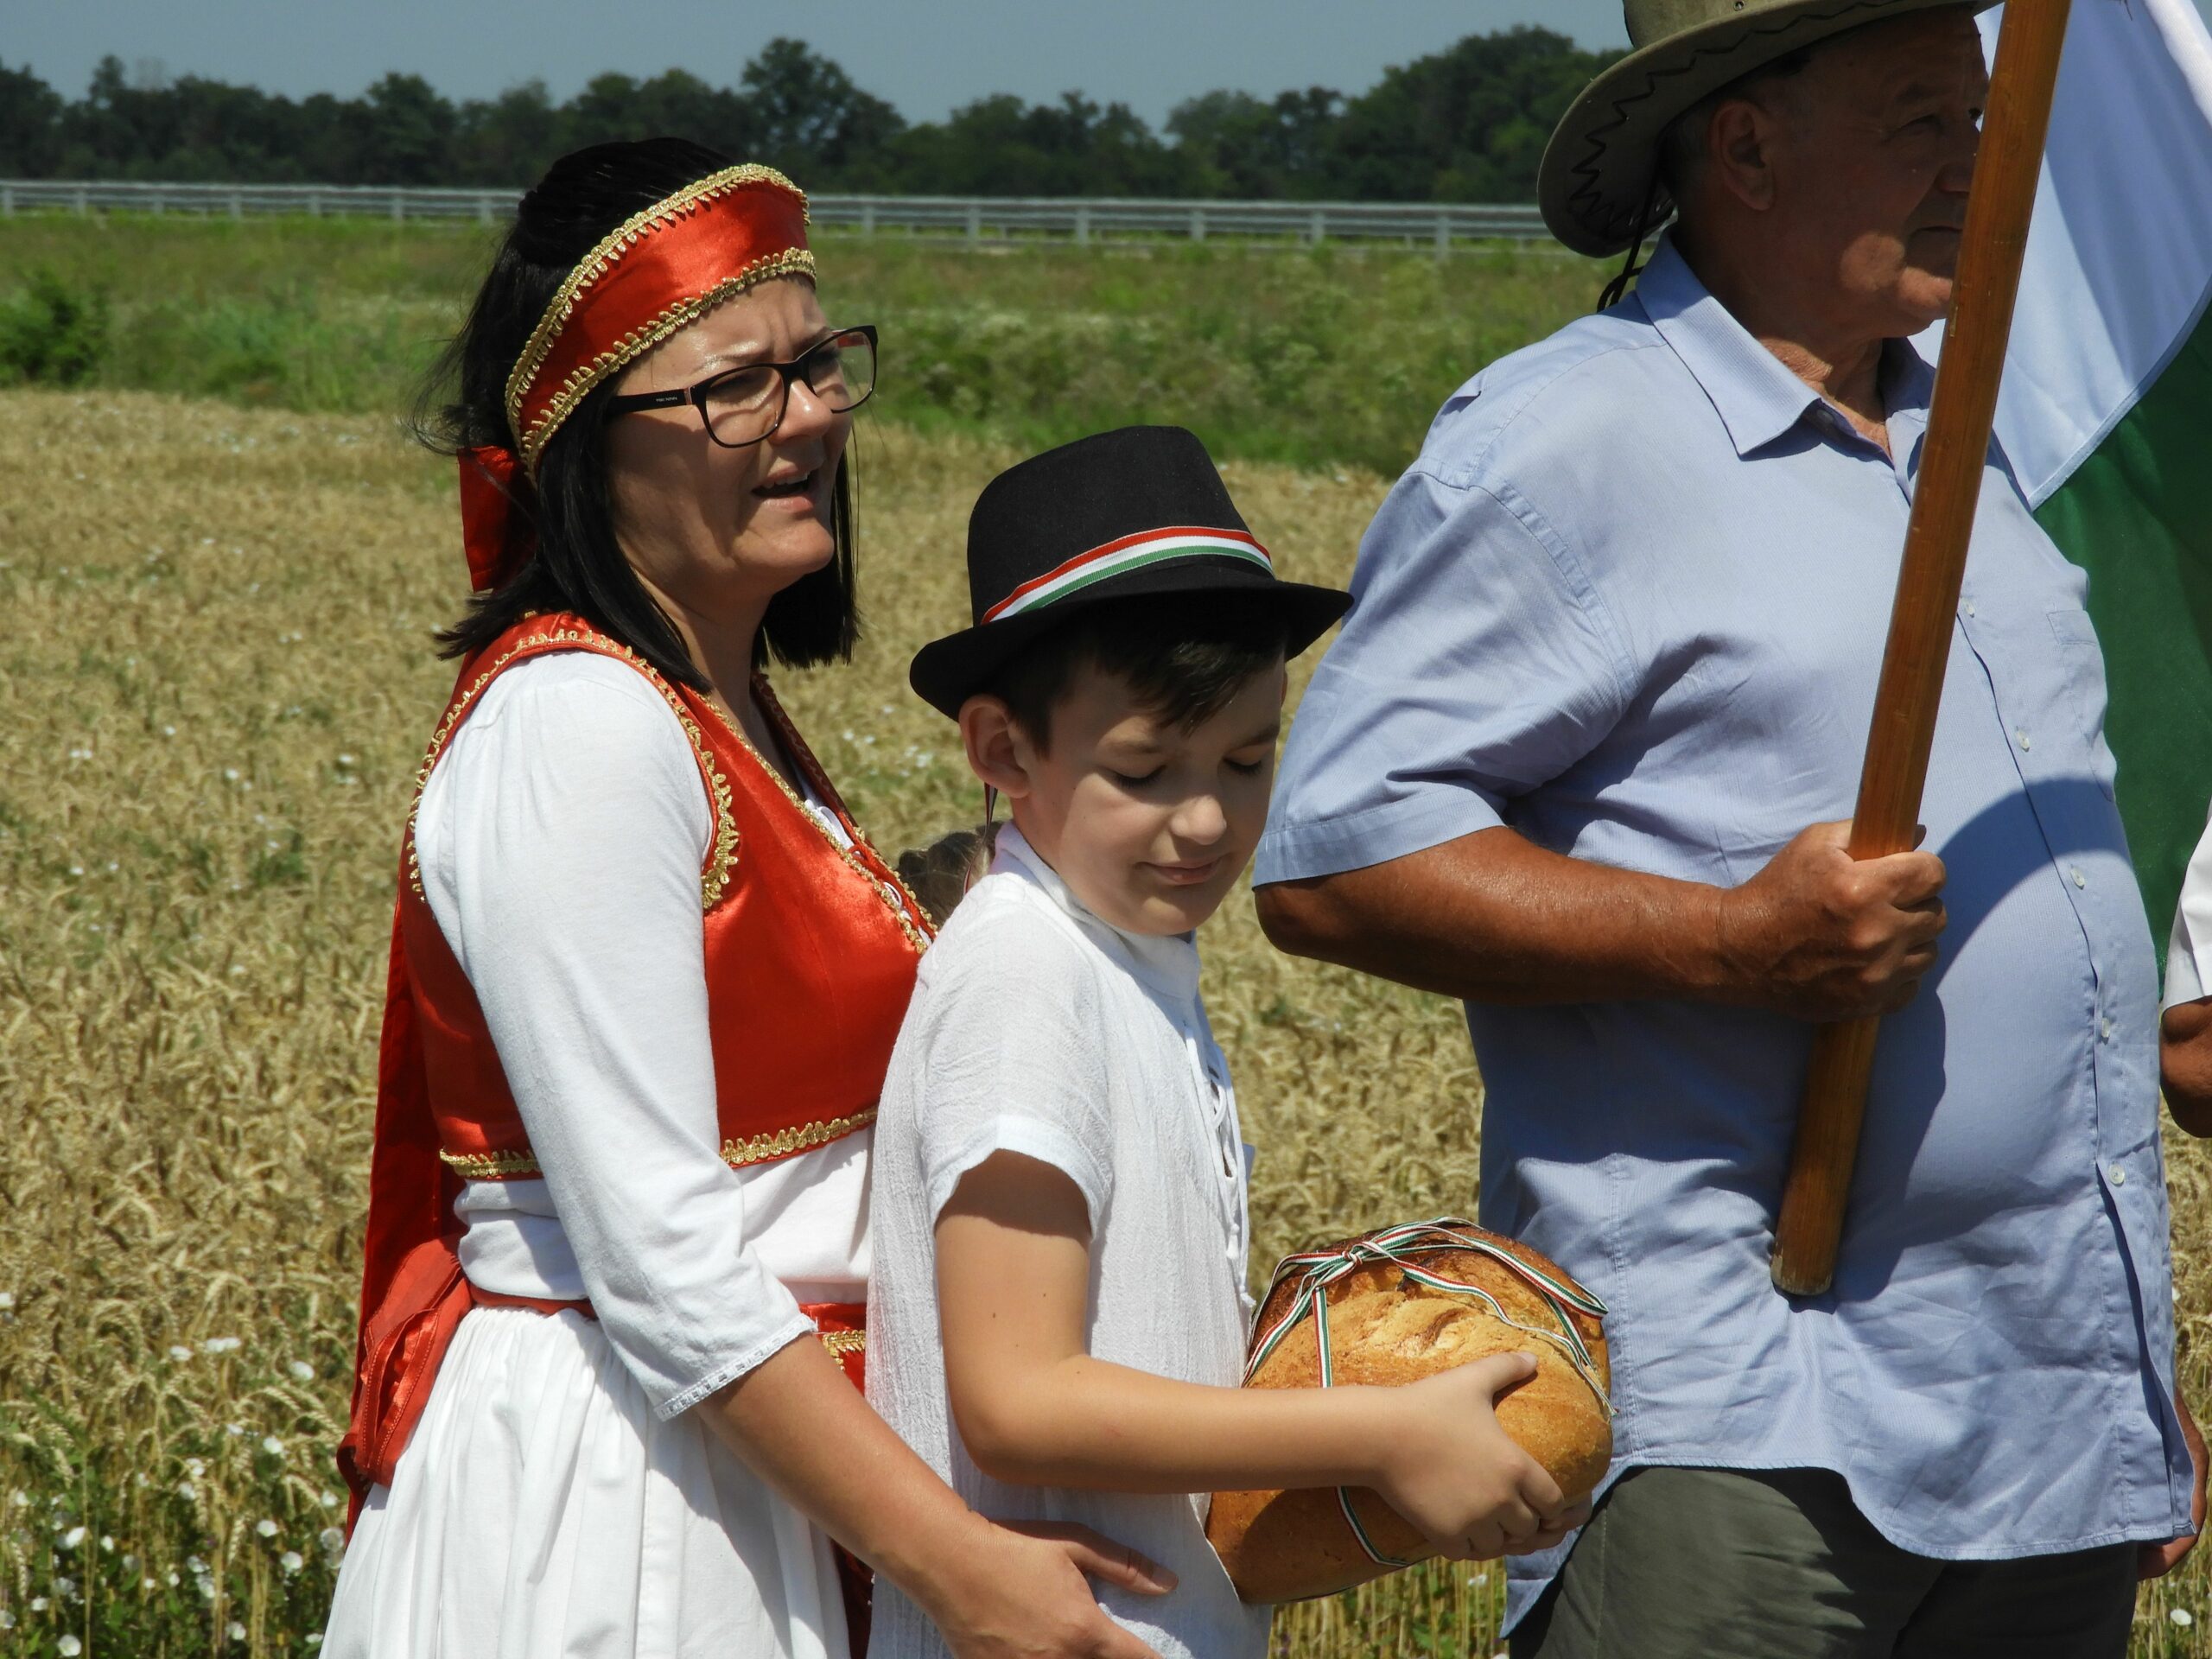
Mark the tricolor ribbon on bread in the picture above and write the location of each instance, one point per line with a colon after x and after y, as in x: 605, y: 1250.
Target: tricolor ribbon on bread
x: 1406, y: 1248
x: 658, y: 271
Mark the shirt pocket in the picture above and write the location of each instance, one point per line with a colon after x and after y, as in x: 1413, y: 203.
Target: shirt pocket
x: 2083, y: 687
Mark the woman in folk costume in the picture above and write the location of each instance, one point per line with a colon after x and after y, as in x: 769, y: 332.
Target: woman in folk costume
x: 645, y: 976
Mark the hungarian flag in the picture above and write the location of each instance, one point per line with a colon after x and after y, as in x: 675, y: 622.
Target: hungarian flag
x: 2106, y: 412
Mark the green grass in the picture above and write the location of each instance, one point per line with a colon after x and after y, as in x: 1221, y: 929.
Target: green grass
x: 1323, y: 357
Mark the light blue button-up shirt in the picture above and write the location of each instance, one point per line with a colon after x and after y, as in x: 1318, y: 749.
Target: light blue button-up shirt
x: 1630, y: 602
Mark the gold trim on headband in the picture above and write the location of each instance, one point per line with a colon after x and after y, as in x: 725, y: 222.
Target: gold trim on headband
x: 634, y: 345
x: 601, y: 259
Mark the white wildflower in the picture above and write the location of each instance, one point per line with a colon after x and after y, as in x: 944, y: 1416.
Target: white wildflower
x: 290, y: 1560
x: 2180, y: 1615
x: 313, y: 1638
x: 173, y: 1581
x: 230, y: 774
x: 272, y: 1446
x: 328, y: 1500
x: 265, y: 1527
x: 301, y: 1370
x: 236, y: 1431
x: 194, y: 1467
x: 7, y: 1299
x: 235, y: 1630
x: 72, y: 1538
x: 332, y: 1540
x: 107, y: 1545
x: 38, y: 1604
x: 65, y: 1588
x: 222, y: 1345
x: 179, y: 1352
x: 345, y: 759
x: 69, y: 1647
x: 187, y: 1491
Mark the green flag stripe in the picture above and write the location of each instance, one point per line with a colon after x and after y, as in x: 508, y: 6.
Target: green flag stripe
x: 2138, y: 516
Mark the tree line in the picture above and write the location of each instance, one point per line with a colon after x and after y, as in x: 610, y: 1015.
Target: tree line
x: 1466, y: 124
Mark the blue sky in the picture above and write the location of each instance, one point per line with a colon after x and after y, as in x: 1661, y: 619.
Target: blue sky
x: 925, y: 58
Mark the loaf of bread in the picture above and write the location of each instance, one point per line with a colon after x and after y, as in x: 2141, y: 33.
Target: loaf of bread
x: 1402, y: 1304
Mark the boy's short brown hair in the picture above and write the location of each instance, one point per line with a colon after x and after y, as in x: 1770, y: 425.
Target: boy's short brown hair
x: 1183, y: 663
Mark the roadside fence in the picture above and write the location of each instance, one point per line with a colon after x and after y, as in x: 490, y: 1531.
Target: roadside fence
x: 983, y: 219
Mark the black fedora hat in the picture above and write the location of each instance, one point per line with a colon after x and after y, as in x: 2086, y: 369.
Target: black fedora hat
x: 1134, y: 513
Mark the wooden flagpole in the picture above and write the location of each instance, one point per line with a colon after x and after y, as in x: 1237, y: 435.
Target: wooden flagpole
x: 1948, y: 489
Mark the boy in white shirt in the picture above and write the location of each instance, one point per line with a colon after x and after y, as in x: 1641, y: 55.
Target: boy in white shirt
x: 1058, y: 1312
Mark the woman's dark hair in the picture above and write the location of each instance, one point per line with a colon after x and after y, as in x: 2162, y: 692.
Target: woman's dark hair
x: 1183, y: 662
x: 578, y: 565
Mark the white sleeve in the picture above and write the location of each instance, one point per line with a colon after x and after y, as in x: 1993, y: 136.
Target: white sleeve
x: 1013, y: 1058
x: 571, y: 828
x: 2188, y: 956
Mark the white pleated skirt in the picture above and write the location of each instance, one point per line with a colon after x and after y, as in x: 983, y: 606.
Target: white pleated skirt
x: 540, y: 1509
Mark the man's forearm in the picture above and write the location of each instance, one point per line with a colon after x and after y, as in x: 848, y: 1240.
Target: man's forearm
x: 1493, y: 917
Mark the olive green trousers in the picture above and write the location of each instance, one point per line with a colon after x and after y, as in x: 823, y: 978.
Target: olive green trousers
x: 1779, y: 1564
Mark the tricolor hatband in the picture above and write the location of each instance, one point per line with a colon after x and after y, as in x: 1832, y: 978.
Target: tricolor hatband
x: 1135, y: 513
x: 1129, y: 553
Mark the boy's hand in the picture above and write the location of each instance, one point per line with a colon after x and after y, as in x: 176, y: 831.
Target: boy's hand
x: 1461, y: 1479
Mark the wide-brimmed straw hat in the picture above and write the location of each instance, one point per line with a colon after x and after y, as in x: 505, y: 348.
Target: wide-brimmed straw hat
x: 1597, y: 176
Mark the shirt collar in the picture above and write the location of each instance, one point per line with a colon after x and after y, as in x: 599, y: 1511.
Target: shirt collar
x: 1758, y: 397
x: 1166, y: 964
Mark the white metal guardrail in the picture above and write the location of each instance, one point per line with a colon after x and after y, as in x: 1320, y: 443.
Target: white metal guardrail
x: 984, y: 219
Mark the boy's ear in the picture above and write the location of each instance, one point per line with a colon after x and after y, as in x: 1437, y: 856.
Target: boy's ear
x: 998, y: 751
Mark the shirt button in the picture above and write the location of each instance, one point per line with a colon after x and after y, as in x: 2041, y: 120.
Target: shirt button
x: 2079, y: 880
x: 2105, y: 1030
x: 1969, y: 607
x: 2020, y: 736
x: 2119, y: 1176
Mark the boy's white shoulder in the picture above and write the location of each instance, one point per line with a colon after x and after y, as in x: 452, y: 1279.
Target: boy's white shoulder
x: 1008, y: 934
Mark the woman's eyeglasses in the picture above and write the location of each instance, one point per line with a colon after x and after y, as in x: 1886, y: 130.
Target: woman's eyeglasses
x: 744, y: 406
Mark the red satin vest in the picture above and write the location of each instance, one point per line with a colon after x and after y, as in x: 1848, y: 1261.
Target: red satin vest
x: 811, y: 952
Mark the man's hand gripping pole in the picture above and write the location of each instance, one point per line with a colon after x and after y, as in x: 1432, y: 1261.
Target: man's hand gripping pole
x: 1965, y: 406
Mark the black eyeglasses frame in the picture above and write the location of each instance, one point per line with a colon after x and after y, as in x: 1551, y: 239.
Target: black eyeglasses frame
x: 697, y: 392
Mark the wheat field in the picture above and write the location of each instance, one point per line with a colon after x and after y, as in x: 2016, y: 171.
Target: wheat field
x: 216, y: 682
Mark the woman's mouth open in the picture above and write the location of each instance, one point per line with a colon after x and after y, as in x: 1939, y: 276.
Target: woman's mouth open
x: 793, y: 487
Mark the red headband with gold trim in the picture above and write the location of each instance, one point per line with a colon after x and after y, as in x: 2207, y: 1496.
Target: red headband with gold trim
x: 656, y: 272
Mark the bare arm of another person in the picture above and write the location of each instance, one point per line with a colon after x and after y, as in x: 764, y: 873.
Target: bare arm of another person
x: 2185, y: 1063
x: 1033, y: 1407
x: 1493, y: 917
x: 994, y: 1593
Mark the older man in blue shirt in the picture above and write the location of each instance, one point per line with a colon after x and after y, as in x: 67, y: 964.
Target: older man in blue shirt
x: 1614, y: 649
